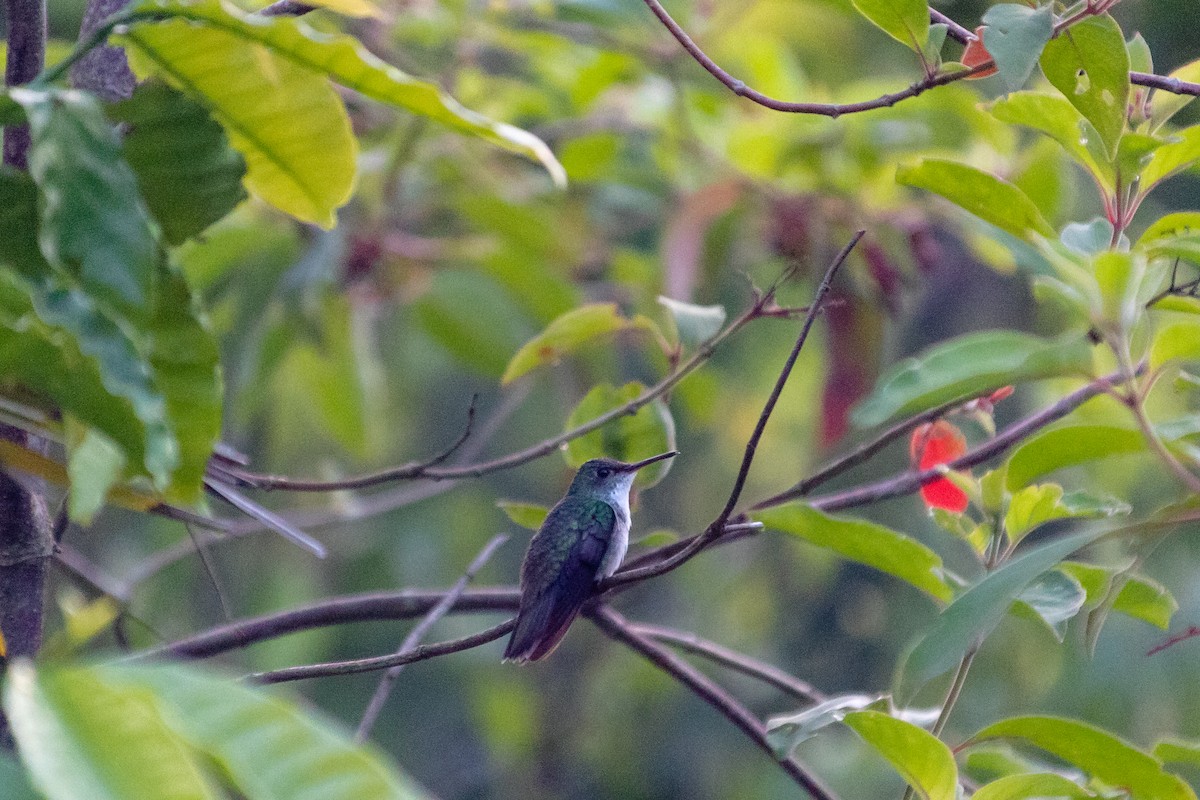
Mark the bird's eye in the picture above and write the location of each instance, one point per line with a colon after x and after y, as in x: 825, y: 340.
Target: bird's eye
x: 603, y: 472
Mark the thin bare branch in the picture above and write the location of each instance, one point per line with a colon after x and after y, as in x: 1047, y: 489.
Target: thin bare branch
x: 621, y: 630
x: 726, y: 657
x: 384, y: 689
x: 372, y: 606
x: 717, y: 527
x: 354, y: 666
x: 264, y: 515
x: 911, y: 481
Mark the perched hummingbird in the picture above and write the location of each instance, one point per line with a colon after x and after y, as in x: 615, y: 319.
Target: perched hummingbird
x: 582, y: 541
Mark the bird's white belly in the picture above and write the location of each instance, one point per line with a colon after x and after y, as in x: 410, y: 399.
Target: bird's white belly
x: 618, y: 545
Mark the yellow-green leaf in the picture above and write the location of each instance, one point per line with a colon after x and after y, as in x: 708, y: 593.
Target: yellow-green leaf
x: 285, y: 119
x: 923, y: 760
x: 566, y: 334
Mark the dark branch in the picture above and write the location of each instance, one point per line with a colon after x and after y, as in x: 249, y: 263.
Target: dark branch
x: 911, y: 481
x: 726, y: 657
x: 419, y: 653
x: 374, y: 606
x: 717, y: 527
x: 26, y: 46
x: 621, y: 630
x: 418, y: 633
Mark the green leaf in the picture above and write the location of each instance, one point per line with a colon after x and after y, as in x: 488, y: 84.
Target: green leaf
x: 785, y: 733
x: 631, y: 437
x: 923, y: 760
x: 906, y: 21
x: 80, y: 736
x: 1181, y: 151
x: 473, y: 317
x: 1177, y: 751
x: 967, y: 367
x: 344, y: 60
x: 265, y: 745
x: 695, y: 324
x: 1179, y: 223
x: 1176, y: 341
x: 568, y: 333
x: 1054, y: 598
x: 1052, y: 115
x: 1067, y: 446
x: 966, y: 622
x: 1028, y: 787
x: 187, y: 173
x: 527, y: 515
x: 1096, y: 752
x: 187, y: 370
x: 284, y: 118
x: 1031, y: 507
x: 1014, y: 37
x: 1146, y: 599
x: 1166, y: 104
x: 93, y: 225
x: 1089, y: 64
x: 95, y: 464
x: 865, y: 542
x: 1140, y: 58
x: 990, y: 198
x: 1087, y: 238
x: 1094, y: 579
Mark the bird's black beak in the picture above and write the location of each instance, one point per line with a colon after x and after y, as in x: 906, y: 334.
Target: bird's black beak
x: 645, y: 462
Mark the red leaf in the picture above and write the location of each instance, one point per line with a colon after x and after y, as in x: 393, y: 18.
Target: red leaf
x: 976, y: 54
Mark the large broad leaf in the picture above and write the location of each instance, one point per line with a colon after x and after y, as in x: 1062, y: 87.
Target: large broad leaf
x: 188, y: 174
x: 1068, y: 446
x: 906, y: 21
x: 1055, y: 598
x: 1177, y: 341
x: 1181, y: 151
x: 964, y: 624
x: 567, y: 333
x: 1026, y: 787
x: 15, y: 779
x: 990, y: 198
x: 80, y: 736
x: 631, y: 437
x: 285, y: 119
x: 265, y: 745
x: 969, y: 366
x: 1089, y: 64
x: 1096, y: 752
x: 1014, y: 37
x: 93, y: 225
x: 1052, y: 115
x: 59, y: 344
x: 186, y: 363
x: 923, y: 760
x: 865, y: 542
x: 344, y: 60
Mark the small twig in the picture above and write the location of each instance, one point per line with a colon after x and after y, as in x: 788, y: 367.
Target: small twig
x: 867, y: 450
x: 372, y: 606
x: 726, y: 657
x: 261, y: 481
x: 210, y: 570
x: 354, y: 666
x: 425, y: 470
x: 26, y: 41
x: 1191, y: 632
x: 265, y: 516
x: 621, y: 630
x: 384, y: 689
x: 955, y: 31
x: 717, y: 527
x: 911, y: 481
x: 1165, y: 83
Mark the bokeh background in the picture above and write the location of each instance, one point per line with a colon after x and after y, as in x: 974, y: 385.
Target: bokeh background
x: 362, y: 347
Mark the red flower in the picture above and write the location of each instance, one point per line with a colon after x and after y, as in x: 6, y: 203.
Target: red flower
x: 939, y: 443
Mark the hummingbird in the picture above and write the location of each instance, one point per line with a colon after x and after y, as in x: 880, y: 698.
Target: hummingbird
x: 582, y: 541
